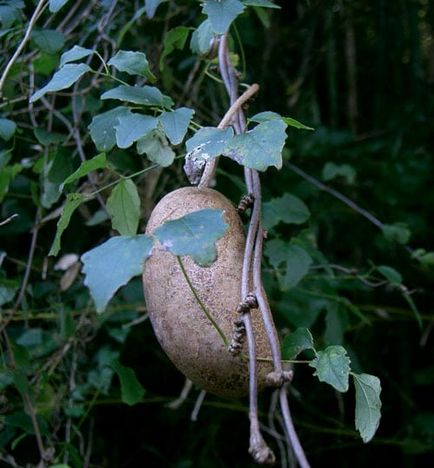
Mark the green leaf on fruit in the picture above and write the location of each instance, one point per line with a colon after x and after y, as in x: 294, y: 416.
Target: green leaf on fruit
x: 332, y: 366
x: 62, y: 79
x: 112, y: 264
x: 296, y: 342
x: 195, y: 235
x: 259, y: 148
x: 123, y: 206
x: 368, y: 404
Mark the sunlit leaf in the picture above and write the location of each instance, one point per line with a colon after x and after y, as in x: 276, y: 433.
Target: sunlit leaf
x: 123, y: 205
x: 332, y: 366
x: 112, y: 264
x: 209, y: 142
x: 55, y: 5
x: 368, y: 405
x: 195, y: 235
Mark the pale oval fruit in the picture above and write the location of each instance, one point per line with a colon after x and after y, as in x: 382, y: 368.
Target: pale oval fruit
x: 180, y: 324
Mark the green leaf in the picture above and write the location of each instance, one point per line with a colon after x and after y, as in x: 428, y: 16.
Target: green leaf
x: 331, y: 171
x: 73, y: 201
x: 48, y: 138
x: 221, y: 13
x: 151, y: 6
x: 157, y: 148
x: 133, y: 63
x: 7, y: 175
x: 390, y: 274
x: 288, y: 209
x: 97, y: 162
x: 267, y: 116
x: 132, y: 127
x: 175, y: 123
x: 145, y: 95
x: 259, y: 148
x: 55, y: 5
x: 368, y: 404
x: 422, y: 256
x: 194, y: 234
x: 7, y: 129
x: 202, y: 37
x: 261, y: 3
x: 397, y: 232
x: 174, y: 39
x: 74, y: 54
x: 48, y: 40
x: 297, y: 262
x: 296, y: 342
x: 8, y: 16
x: 8, y: 288
x: 333, y: 367
x: 102, y: 128
x: 209, y: 142
x: 112, y: 264
x: 131, y: 390
x: 64, y: 78
x: 123, y: 205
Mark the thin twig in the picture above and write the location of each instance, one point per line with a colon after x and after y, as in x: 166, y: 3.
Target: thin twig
x: 175, y: 404
x: 8, y: 220
x: 198, y: 405
x: 38, y: 10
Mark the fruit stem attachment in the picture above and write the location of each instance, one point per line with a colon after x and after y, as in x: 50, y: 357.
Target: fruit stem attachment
x: 201, y: 304
x: 210, y: 167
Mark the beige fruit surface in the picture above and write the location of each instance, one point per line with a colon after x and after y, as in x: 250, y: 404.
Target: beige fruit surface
x: 185, y: 333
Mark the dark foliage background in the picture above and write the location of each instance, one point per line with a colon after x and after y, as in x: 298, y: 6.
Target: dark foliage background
x: 362, y: 74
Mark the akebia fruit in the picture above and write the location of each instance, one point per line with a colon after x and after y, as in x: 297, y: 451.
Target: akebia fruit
x: 184, y: 331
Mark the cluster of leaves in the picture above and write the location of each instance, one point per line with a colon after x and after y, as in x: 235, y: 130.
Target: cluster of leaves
x: 81, y: 110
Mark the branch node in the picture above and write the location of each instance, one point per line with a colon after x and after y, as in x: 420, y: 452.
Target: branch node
x: 259, y: 450
x: 277, y: 379
x: 245, y: 203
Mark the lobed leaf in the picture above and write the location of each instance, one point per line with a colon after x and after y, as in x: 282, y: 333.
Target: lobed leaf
x: 259, y: 148
x: 332, y: 366
x: 209, y: 142
x: 156, y: 148
x: 131, y: 127
x: 102, y: 128
x: 175, y: 123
